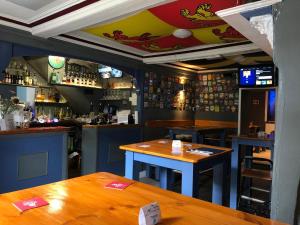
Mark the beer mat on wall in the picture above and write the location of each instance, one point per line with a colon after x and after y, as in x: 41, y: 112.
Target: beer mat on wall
x: 30, y: 204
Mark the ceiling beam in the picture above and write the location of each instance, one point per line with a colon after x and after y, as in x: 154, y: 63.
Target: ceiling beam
x: 233, y: 16
x: 241, y: 49
x: 100, y: 12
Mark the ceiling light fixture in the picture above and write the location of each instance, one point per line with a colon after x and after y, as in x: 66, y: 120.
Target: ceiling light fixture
x: 182, y: 33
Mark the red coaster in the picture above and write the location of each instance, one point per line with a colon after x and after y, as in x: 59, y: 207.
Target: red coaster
x: 117, y: 185
x: 30, y: 204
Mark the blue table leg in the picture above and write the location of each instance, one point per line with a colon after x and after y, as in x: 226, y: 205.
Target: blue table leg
x: 131, y: 170
x: 165, y: 178
x: 190, y: 180
x: 218, y: 181
x: 235, y: 170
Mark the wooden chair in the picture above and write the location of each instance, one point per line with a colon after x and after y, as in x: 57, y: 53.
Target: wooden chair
x: 259, y: 169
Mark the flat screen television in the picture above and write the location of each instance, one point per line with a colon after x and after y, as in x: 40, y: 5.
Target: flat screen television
x: 257, y: 76
x: 108, y: 72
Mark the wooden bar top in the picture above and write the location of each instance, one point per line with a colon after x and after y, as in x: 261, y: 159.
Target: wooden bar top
x: 35, y: 130
x: 86, y: 201
x: 112, y: 126
x: 163, y: 148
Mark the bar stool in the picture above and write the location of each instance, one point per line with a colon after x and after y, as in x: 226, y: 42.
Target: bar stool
x: 259, y: 169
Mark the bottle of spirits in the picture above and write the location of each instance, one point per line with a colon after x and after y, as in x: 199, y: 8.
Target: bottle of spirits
x: 8, y: 77
x: 53, y: 77
x: 34, y: 81
x: 26, y: 78
x: 30, y: 80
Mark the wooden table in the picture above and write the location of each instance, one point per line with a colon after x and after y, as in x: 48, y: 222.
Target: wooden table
x: 86, y: 201
x: 159, y: 153
x: 198, y: 132
x: 237, y: 141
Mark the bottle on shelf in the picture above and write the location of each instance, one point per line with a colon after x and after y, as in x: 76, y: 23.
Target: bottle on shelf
x: 53, y: 77
x: 30, y: 80
x: 26, y: 78
x: 34, y: 80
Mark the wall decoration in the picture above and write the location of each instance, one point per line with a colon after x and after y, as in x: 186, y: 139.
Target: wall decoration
x: 206, y: 93
x: 167, y: 92
x: 222, y: 93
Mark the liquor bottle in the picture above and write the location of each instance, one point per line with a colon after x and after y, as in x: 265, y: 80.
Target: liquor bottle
x: 58, y: 78
x: 72, y: 78
x: 53, y: 77
x: 26, y: 78
x: 94, y: 81
x: 16, y: 77
x: 34, y: 80
x: 8, y: 77
x: 64, y: 79
x: 30, y: 81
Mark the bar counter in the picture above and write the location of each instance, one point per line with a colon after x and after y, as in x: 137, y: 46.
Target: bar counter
x: 34, y: 130
x: 100, y: 146
x: 32, y: 156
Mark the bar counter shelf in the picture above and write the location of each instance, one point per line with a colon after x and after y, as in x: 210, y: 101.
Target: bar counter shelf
x: 76, y: 85
x: 32, y: 156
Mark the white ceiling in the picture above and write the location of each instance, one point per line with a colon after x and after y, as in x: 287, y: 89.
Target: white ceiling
x: 66, y: 27
x: 31, y: 4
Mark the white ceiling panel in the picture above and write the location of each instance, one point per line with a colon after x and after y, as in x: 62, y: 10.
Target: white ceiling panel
x: 31, y: 4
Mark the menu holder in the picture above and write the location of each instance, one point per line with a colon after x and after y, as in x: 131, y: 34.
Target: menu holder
x: 150, y: 214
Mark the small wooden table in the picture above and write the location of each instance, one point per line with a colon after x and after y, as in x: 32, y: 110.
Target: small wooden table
x: 198, y: 132
x: 86, y: 201
x: 159, y: 153
x: 237, y: 141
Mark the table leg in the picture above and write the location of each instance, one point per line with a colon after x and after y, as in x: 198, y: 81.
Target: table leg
x: 235, y: 171
x: 190, y: 180
x: 172, y: 134
x: 217, y: 191
x: 165, y: 178
x: 220, y: 193
x: 131, y: 170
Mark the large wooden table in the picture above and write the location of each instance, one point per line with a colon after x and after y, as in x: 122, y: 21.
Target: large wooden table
x: 159, y: 153
x: 237, y: 141
x: 86, y: 201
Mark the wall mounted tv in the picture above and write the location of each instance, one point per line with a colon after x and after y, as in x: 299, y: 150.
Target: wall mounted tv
x: 257, y: 76
x: 108, y: 72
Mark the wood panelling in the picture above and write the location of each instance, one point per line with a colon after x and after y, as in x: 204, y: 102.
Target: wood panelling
x: 188, y: 123
x: 169, y: 123
x: 212, y: 123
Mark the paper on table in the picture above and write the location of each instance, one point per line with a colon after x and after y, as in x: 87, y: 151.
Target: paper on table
x: 117, y: 185
x: 30, y: 204
x: 199, y: 152
x: 163, y: 142
x: 144, y: 146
